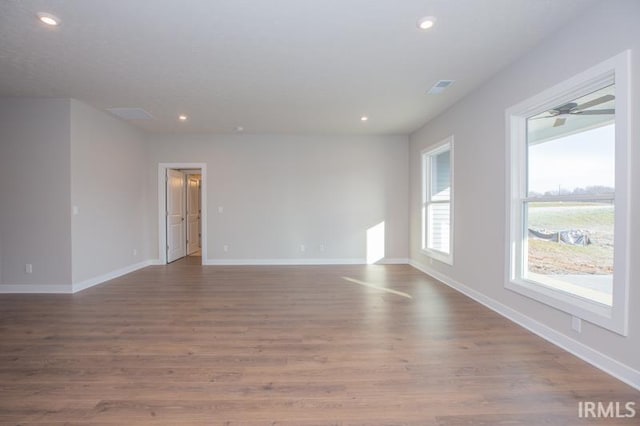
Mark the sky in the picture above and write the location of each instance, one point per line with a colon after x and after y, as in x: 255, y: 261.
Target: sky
x: 579, y: 160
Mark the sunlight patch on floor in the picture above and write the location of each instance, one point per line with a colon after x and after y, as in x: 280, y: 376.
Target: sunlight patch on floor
x: 388, y: 290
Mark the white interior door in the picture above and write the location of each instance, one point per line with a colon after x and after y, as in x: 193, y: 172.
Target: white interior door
x: 193, y: 214
x: 176, y: 247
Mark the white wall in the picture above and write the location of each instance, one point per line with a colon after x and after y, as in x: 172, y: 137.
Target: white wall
x: 280, y: 192
x: 108, y: 186
x: 35, y: 224
x: 478, y: 124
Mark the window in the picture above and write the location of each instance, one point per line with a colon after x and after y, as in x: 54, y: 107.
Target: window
x: 437, y: 201
x: 568, y: 195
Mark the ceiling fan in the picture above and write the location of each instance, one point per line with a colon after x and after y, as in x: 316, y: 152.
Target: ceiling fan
x: 562, y: 112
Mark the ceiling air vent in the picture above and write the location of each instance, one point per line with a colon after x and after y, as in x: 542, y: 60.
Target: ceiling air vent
x: 440, y: 86
x: 130, y: 113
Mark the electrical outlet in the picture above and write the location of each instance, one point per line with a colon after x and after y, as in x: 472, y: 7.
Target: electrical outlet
x: 225, y: 248
x: 322, y: 248
x: 135, y: 252
x: 28, y: 268
x: 576, y: 324
x: 220, y: 209
x: 302, y: 248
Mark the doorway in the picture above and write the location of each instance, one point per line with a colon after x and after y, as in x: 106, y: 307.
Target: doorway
x: 182, y: 211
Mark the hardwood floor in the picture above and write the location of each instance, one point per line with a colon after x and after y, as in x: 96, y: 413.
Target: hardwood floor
x: 290, y: 346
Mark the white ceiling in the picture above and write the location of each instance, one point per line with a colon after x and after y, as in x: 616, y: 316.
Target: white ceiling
x: 278, y: 66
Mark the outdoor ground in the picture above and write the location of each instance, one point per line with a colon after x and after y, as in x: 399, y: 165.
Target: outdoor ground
x: 556, y: 258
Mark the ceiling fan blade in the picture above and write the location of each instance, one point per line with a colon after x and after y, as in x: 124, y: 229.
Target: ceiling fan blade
x: 559, y: 122
x: 596, y: 112
x: 538, y: 118
x: 594, y: 102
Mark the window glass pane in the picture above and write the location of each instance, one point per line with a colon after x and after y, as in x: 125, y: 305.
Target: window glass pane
x: 571, y: 147
x: 441, y: 176
x: 570, y: 247
x: 571, y: 151
x: 438, y: 220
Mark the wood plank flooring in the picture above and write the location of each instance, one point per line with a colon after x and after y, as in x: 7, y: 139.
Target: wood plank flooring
x: 184, y: 344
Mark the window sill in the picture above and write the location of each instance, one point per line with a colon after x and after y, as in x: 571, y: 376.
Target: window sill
x: 588, y: 310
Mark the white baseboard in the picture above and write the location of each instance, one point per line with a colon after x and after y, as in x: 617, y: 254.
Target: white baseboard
x: 605, y: 363
x: 296, y: 262
x: 283, y: 262
x: 393, y: 261
x: 35, y: 288
x: 74, y: 288
x: 83, y: 285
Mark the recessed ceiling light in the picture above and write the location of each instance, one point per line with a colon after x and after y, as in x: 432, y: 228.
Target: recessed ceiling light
x: 239, y: 129
x: 364, y: 118
x: 49, y: 19
x: 426, y: 22
x: 182, y: 117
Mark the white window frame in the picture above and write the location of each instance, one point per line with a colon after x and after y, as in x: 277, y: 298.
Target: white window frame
x: 426, y: 154
x: 614, y: 317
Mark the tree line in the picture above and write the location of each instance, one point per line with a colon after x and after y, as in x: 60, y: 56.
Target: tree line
x: 589, y: 190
